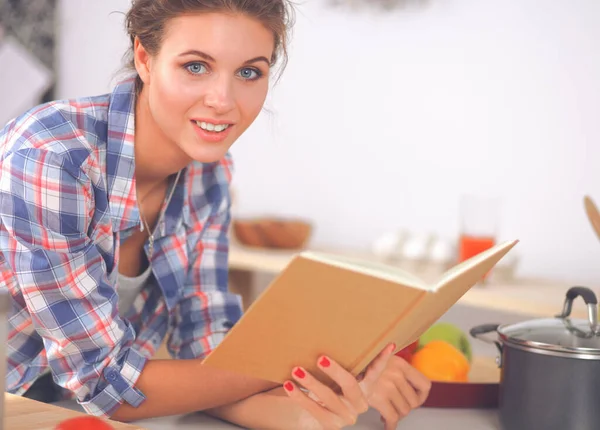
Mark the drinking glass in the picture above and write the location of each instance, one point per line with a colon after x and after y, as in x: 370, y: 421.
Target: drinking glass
x: 479, y: 219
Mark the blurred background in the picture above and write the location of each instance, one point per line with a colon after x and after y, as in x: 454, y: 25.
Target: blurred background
x: 386, y: 118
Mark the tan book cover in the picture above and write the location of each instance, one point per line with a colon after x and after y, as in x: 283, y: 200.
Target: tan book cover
x: 347, y: 309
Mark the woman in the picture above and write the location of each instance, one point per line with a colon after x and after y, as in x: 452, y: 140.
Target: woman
x: 113, y: 232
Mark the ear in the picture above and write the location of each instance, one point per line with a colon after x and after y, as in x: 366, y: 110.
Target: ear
x: 141, y: 59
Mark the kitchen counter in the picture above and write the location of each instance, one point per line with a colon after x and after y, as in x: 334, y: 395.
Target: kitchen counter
x: 423, y: 418
x: 420, y: 419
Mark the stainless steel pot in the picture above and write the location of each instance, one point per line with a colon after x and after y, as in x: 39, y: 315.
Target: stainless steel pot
x: 550, y: 369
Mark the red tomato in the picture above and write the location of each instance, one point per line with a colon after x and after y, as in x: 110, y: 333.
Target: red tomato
x: 408, y: 352
x: 84, y: 423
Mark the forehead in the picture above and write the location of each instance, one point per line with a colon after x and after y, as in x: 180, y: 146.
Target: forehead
x: 224, y: 35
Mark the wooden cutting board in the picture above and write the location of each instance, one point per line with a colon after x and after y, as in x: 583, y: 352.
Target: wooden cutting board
x: 26, y: 414
x: 484, y: 370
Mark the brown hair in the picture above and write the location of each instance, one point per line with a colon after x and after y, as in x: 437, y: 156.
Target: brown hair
x: 147, y: 20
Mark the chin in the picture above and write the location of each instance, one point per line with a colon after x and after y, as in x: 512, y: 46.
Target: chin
x: 207, y: 152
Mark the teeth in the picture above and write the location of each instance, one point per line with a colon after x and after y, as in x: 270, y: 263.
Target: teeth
x: 212, y: 127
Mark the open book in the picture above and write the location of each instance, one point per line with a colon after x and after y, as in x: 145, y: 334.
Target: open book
x: 345, y: 308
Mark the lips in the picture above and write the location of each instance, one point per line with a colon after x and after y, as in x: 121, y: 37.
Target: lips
x: 213, y: 132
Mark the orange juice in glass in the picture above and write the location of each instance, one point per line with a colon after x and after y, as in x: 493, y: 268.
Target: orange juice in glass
x: 478, y: 226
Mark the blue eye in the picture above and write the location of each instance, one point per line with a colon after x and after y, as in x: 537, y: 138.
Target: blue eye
x: 196, y: 68
x: 250, y: 74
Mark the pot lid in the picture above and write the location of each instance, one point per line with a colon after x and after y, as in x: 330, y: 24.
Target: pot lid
x: 561, y: 335
x: 554, y: 334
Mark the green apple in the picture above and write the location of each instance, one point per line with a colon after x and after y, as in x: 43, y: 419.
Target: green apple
x: 449, y: 333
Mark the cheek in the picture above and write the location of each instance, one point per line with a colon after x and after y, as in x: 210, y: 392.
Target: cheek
x: 251, y: 101
x: 171, y: 98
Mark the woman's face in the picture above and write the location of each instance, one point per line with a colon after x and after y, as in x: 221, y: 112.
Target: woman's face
x: 208, y: 82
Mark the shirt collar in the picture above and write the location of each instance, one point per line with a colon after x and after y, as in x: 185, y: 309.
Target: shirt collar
x: 120, y: 166
x: 120, y: 162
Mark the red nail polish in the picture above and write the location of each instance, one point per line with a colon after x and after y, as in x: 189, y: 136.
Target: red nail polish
x: 288, y: 386
x: 325, y: 362
x: 299, y: 373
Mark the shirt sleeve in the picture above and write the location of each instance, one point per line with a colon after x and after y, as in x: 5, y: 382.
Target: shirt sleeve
x: 207, y: 311
x: 46, y: 210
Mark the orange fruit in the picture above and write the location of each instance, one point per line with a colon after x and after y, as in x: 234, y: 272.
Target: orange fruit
x: 439, y: 360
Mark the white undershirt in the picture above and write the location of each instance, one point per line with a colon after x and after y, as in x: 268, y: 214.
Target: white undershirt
x: 128, y: 289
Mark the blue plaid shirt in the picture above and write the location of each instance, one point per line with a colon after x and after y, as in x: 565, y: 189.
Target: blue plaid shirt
x: 67, y: 200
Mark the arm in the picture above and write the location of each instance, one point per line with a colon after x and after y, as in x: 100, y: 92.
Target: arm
x: 189, y: 387
x: 269, y: 410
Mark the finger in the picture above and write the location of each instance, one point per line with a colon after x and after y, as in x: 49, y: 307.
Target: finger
x: 348, y: 383
x: 314, y: 397
x: 389, y: 390
x: 417, y: 380
x: 322, y: 415
x: 391, y: 425
x: 378, y: 365
x: 327, y: 397
x: 400, y: 404
x: 388, y: 412
x: 409, y: 392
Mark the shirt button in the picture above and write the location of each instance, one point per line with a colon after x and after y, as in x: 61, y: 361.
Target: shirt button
x: 112, y: 375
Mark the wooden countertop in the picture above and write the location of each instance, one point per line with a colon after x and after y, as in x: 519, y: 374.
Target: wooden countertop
x: 535, y: 297
x: 25, y: 414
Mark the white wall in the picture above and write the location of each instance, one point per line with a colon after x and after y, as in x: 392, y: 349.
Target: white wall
x: 91, y: 43
x: 381, y: 121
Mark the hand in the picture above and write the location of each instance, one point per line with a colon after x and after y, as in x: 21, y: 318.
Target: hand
x: 399, y: 389
x: 326, y: 409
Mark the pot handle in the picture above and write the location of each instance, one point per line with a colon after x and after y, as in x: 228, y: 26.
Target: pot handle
x: 478, y: 331
x: 590, y: 300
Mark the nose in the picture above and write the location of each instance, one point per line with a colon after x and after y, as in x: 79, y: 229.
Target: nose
x: 219, y: 95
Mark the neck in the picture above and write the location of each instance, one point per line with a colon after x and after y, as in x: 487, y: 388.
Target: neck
x: 156, y: 157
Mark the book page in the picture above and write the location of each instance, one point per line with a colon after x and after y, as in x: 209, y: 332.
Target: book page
x: 476, y: 266
x: 368, y: 267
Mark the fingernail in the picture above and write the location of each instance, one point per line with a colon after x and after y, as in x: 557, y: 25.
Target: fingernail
x: 288, y: 386
x: 393, y: 346
x: 325, y: 362
x: 299, y: 373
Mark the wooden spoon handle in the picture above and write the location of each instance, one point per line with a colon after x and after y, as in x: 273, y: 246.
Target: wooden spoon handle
x: 593, y: 214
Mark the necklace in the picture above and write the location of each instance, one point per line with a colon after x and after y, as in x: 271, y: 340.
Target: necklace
x: 162, y: 213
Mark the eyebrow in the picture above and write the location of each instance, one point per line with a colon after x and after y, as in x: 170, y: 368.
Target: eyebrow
x: 257, y: 59
x: 209, y: 58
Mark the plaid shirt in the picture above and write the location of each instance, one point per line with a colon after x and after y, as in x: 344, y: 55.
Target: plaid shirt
x: 67, y: 200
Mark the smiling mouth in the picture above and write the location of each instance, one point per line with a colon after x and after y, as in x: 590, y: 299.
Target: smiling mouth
x: 212, y: 128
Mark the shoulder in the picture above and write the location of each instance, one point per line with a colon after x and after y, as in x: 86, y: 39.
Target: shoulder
x: 67, y: 129
x: 208, y: 184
